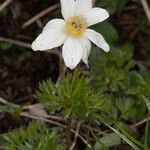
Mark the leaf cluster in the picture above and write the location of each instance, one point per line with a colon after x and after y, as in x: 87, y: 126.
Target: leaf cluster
x: 72, y: 96
x: 34, y: 137
x: 115, y: 77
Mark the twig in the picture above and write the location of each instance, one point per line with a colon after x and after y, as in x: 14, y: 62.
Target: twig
x: 146, y: 9
x: 42, y: 118
x: 75, y: 137
x: 39, y: 15
x: 5, y: 4
x: 39, y: 105
x: 31, y: 96
x: 39, y: 23
x: 15, y: 42
x: 140, y: 122
x: 81, y: 137
x: 3, y: 101
x: 141, y: 65
x: 25, y: 114
x: 99, y: 132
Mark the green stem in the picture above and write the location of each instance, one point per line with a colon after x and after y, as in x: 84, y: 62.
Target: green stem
x: 62, y: 69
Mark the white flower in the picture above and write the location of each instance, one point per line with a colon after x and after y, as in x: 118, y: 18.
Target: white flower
x: 73, y: 32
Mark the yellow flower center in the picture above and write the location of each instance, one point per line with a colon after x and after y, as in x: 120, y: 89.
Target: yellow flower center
x: 76, y: 25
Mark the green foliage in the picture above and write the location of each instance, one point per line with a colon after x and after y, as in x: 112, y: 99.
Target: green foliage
x: 5, y: 46
x: 73, y: 96
x: 112, y: 6
x: 101, y: 143
x: 108, y: 31
x: 109, y: 140
x: 8, y: 109
x: 35, y: 137
x: 113, y: 76
x: 109, y: 69
x: 125, y: 138
x: 115, y: 91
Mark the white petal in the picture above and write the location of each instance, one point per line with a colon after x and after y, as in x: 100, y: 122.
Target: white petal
x: 67, y: 8
x: 49, y: 39
x: 97, y: 39
x: 72, y: 52
x: 82, y: 6
x: 87, y: 49
x: 55, y: 24
x: 96, y: 15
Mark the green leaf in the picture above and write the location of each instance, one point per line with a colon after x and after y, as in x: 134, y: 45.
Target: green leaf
x: 146, y: 75
x: 112, y: 6
x: 109, y: 140
x: 147, y: 102
x: 108, y: 31
x: 35, y: 136
x: 133, y: 139
x: 123, y: 137
x: 103, y: 147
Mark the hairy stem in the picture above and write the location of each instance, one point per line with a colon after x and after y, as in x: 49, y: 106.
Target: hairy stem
x: 62, y: 69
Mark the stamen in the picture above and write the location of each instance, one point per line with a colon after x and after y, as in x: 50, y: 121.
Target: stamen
x: 76, y: 25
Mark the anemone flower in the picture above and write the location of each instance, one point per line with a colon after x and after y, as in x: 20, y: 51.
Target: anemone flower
x: 73, y: 32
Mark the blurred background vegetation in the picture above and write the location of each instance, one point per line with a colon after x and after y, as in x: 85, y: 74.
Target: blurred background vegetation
x: 111, y: 112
